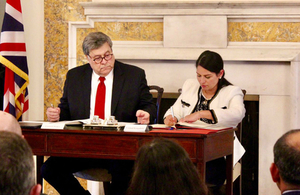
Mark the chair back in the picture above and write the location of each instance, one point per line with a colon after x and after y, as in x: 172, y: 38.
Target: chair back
x: 160, y: 92
x: 237, y: 169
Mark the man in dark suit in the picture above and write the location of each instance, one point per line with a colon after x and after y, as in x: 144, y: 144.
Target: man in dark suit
x: 127, y: 97
x: 285, y: 170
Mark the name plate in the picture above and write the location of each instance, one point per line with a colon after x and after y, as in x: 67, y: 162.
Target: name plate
x: 136, y: 128
x: 53, y: 125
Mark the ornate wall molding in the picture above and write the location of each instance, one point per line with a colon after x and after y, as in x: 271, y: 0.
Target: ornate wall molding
x: 181, y: 36
x: 208, y: 7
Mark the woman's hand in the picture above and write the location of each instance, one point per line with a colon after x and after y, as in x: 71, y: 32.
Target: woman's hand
x: 170, y: 121
x: 196, y: 116
x: 191, y: 118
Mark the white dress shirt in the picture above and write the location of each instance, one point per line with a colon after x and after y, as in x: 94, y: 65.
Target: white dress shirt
x: 108, y: 93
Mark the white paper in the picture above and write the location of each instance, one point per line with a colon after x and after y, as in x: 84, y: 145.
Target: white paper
x: 203, y: 125
x: 136, y: 128
x: 238, y: 150
x: 53, y: 125
x: 62, y: 124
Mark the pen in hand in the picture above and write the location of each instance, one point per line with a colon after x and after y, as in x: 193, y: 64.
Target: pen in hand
x: 173, y: 117
x: 172, y: 111
x: 53, y: 113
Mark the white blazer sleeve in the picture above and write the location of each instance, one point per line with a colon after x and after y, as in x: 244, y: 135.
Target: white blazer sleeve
x: 228, y: 106
x: 186, y: 102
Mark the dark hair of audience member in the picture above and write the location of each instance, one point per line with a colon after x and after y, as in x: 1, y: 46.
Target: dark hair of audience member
x: 163, y: 167
x: 17, y: 173
x: 287, y: 159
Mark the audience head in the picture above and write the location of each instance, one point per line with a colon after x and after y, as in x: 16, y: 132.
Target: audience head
x: 17, y: 174
x: 95, y: 40
x: 285, y: 170
x: 9, y: 123
x: 164, y: 167
x: 213, y: 62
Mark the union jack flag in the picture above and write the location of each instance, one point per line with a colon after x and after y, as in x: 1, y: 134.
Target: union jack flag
x: 13, y: 57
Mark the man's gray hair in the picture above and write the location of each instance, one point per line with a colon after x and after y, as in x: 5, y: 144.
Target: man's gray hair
x: 95, y: 40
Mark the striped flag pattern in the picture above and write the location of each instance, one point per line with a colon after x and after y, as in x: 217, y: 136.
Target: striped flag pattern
x: 13, y: 57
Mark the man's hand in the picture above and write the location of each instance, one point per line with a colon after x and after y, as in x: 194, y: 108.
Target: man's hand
x: 53, y: 114
x: 143, y: 117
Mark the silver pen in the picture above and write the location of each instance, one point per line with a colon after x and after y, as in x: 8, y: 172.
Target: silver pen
x: 172, y: 111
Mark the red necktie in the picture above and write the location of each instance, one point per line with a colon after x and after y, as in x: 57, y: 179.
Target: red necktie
x: 100, y: 99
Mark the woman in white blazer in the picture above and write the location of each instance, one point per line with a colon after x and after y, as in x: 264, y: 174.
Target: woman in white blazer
x: 210, y: 99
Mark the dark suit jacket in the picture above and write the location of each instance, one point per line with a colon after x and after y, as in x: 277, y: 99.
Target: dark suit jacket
x: 130, y: 93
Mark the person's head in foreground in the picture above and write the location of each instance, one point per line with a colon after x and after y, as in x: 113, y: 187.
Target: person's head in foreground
x: 17, y: 173
x: 9, y: 123
x: 285, y: 170
x: 164, y: 167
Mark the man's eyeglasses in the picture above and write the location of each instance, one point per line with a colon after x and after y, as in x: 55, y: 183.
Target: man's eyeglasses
x: 99, y: 59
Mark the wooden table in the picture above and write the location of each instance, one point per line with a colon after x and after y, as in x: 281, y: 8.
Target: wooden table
x: 76, y: 142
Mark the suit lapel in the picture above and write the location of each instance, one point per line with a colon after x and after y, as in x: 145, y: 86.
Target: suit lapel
x: 118, y: 82
x: 86, y: 90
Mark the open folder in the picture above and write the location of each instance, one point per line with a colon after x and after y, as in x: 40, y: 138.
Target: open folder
x: 31, y: 124
x: 50, y: 125
x: 182, y: 127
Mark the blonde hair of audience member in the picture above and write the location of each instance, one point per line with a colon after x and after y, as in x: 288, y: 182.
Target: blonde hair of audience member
x: 9, y: 123
x: 285, y: 170
x: 163, y: 167
x: 17, y: 173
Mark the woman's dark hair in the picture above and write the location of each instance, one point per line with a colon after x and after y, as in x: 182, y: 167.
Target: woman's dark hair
x: 213, y: 62
x: 163, y: 167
